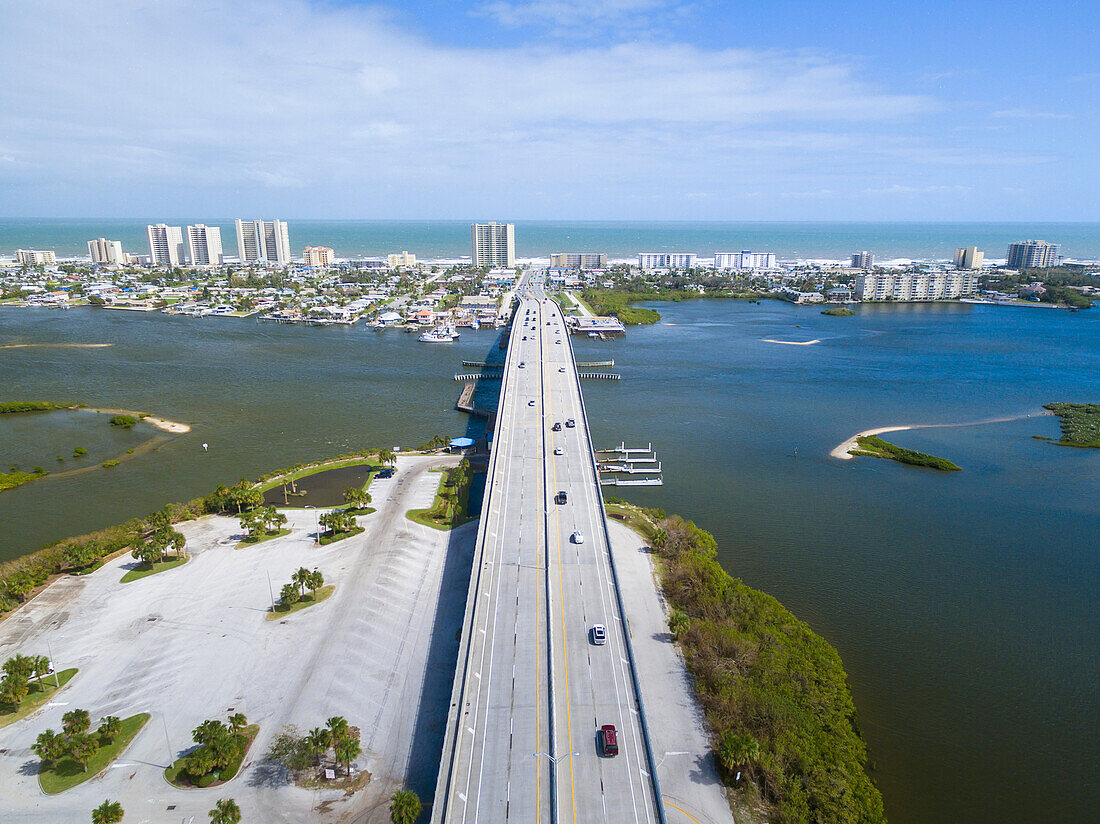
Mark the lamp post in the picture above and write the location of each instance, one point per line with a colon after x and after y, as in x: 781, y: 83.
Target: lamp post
x: 53, y: 664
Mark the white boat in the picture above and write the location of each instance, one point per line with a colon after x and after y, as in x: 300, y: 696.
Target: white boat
x: 438, y: 335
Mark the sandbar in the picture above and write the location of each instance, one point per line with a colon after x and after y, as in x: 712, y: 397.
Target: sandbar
x: 793, y: 342
x: 55, y: 345
x: 844, y: 450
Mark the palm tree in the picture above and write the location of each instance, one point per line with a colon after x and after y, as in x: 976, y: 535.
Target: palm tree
x: 316, y: 581
x: 207, y: 731
x: 289, y: 595
x: 735, y: 751
x: 347, y: 750
x: 109, y: 727
x: 82, y: 747
x: 678, y: 623
x: 49, y: 746
x: 109, y: 812
x: 225, y: 811
x: 237, y: 722
x: 301, y: 579
x: 41, y: 666
x: 386, y: 456
x: 337, y: 727
x: 404, y: 807
x: 75, y: 722
x: 319, y: 740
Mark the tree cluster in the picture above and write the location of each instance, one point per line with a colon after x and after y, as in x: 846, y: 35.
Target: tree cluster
x: 358, y: 497
x: 337, y: 521
x: 300, y: 581
x: 220, y: 745
x: 265, y: 520
x: 18, y: 672
x: 297, y: 753
x: 75, y: 740
x: 154, y: 546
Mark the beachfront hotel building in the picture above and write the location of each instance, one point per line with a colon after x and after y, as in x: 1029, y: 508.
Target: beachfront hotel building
x: 493, y: 245
x: 105, y: 252
x: 401, y: 261
x: 204, y: 245
x: 35, y: 257
x: 578, y: 260
x: 1032, y: 254
x: 666, y: 260
x: 916, y: 286
x: 863, y: 260
x: 165, y: 245
x: 969, y: 258
x: 267, y: 240
x: 744, y: 260
x: 320, y: 256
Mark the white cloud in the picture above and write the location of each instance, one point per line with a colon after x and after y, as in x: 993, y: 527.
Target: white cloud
x: 180, y: 106
x: 1030, y: 114
x: 570, y: 12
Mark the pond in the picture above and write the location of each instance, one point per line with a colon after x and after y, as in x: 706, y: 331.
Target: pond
x: 323, y: 489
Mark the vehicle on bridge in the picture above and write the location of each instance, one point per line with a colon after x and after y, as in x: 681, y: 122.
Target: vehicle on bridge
x: 569, y: 424
x: 609, y: 741
x: 561, y: 498
x: 556, y: 427
x: 577, y: 537
x: 598, y: 634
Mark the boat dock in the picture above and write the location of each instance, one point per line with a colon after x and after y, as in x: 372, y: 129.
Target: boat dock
x: 465, y: 402
x: 599, y: 376
x: 631, y: 482
x: 600, y: 364
x: 473, y: 376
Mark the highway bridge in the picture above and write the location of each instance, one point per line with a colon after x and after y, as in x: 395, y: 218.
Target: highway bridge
x: 531, y: 688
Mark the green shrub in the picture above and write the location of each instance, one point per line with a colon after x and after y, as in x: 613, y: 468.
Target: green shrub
x: 110, y: 463
x: 124, y: 421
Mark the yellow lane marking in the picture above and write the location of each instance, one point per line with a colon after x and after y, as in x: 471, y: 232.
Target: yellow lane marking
x: 685, y: 812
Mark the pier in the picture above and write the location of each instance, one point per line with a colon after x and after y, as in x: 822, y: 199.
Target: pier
x: 599, y: 376
x: 473, y: 376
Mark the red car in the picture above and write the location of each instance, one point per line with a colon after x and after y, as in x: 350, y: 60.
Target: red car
x: 609, y: 741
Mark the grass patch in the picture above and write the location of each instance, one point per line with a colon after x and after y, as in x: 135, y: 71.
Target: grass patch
x: 66, y: 773
x: 39, y: 694
x: 177, y: 777
x: 15, y: 407
x: 331, y: 538
x: 314, y: 468
x: 839, y: 312
x: 633, y: 517
x: 143, y: 570
x: 365, y: 510
x: 10, y: 480
x: 875, y: 447
x: 259, y: 539
x: 307, y: 600
x: 617, y: 304
x: 1080, y: 423
x: 452, y: 500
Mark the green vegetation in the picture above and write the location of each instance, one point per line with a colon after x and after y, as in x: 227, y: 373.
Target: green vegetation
x: 124, y: 421
x: 144, y: 570
x: 292, y: 597
x: 875, y: 447
x: 15, y: 407
x: 452, y: 500
x: 404, y: 807
x: 615, y: 302
x: 76, y: 755
x: 225, y: 811
x: 1080, y: 423
x: 838, y: 312
x: 338, y: 524
x: 26, y: 686
x: 358, y: 500
x: 109, y: 464
x: 301, y: 755
x: 80, y: 450
x: 221, y: 750
x: 16, y: 477
x: 262, y: 523
x: 109, y: 812
x: 774, y: 693
x: 282, y: 608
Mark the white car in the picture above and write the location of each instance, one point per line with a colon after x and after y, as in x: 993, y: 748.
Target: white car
x: 561, y: 368
x: 531, y: 402
x: 558, y: 450
x: 598, y: 633
x: 577, y: 537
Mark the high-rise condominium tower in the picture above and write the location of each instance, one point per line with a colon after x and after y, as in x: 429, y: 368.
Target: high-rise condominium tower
x: 1032, y: 254
x: 204, y: 245
x: 263, y: 240
x: 493, y: 245
x: 165, y: 244
x: 969, y: 258
x: 105, y: 252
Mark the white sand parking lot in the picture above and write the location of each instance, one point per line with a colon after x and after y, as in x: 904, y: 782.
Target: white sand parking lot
x: 191, y: 643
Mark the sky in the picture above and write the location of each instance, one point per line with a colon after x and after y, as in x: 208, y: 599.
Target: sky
x: 551, y: 109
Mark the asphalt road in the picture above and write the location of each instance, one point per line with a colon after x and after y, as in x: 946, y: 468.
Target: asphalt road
x: 532, y: 690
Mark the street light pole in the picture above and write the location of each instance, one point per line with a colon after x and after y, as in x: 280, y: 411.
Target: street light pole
x: 53, y: 664
x: 317, y: 516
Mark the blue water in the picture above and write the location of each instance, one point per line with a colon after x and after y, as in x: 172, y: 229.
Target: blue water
x: 451, y: 239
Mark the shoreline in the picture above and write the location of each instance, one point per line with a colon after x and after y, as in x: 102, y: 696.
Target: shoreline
x: 162, y: 424
x: 843, y: 451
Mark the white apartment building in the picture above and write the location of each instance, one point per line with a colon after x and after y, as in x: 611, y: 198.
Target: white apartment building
x: 320, y: 256
x: 105, y: 252
x: 1032, y: 254
x: 969, y: 258
x: 35, y: 257
x: 165, y: 245
x: 493, y: 245
x: 744, y: 260
x: 401, y: 261
x: 578, y: 260
x: 916, y: 286
x: 666, y: 260
x: 263, y: 240
x: 204, y: 245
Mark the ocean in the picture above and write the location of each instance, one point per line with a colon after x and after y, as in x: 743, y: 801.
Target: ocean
x: 619, y: 240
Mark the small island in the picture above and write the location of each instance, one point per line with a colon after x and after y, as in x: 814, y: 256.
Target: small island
x: 838, y: 312
x: 875, y: 447
x: 1080, y: 423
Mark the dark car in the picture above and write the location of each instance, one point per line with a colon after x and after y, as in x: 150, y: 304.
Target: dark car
x: 561, y: 498
x: 386, y: 472
x: 569, y: 424
x: 556, y: 427
x: 609, y: 741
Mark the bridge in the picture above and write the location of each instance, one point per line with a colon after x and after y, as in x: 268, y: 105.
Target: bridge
x: 531, y: 689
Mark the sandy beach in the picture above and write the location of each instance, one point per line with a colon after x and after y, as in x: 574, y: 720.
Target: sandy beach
x: 163, y: 424
x: 54, y: 345
x: 844, y: 450
x: 793, y: 342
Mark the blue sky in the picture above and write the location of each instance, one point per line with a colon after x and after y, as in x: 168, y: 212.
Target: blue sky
x: 555, y: 109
